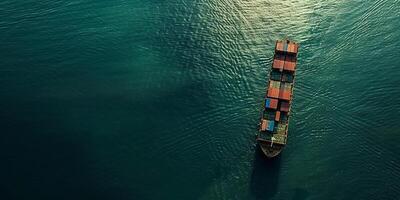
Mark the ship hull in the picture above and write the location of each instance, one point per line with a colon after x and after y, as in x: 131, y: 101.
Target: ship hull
x: 270, y: 151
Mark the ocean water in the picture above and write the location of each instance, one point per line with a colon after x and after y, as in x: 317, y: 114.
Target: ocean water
x: 158, y: 99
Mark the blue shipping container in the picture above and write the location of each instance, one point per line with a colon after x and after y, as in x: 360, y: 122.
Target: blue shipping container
x: 271, y: 126
x: 267, y: 103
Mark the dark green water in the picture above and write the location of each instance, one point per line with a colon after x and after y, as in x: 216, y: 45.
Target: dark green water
x: 156, y: 99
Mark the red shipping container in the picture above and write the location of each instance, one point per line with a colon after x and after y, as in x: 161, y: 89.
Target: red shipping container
x: 285, y: 106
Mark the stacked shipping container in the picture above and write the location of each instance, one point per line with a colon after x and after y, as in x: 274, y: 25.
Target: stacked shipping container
x: 274, y: 122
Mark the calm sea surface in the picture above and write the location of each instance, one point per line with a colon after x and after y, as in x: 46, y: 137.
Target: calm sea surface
x: 158, y: 99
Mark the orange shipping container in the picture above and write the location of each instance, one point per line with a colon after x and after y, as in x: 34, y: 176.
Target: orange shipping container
x: 264, y: 125
x: 290, y: 64
x: 279, y: 46
x: 273, y: 92
x: 292, y: 48
x: 274, y: 103
x: 295, y: 48
x: 271, y: 103
x: 278, y: 64
x: 277, y: 116
x: 284, y: 94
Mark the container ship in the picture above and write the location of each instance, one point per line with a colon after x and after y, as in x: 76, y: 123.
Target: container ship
x: 273, y: 131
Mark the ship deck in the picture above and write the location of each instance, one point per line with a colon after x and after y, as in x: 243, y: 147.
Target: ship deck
x: 278, y: 99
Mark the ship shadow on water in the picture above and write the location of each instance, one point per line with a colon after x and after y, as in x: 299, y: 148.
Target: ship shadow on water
x: 264, y: 177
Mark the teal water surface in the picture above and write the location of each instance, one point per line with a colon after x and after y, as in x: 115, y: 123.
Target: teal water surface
x: 157, y: 99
